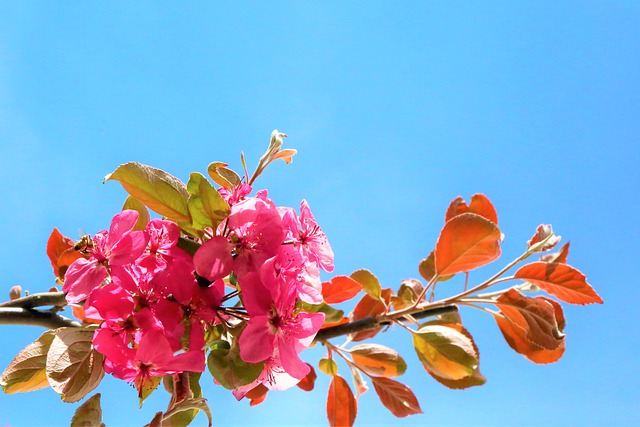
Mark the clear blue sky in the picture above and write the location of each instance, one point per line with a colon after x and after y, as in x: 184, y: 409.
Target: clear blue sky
x: 395, y: 109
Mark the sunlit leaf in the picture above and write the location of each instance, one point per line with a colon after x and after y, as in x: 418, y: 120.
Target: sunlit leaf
x: 396, y: 397
x: 544, y: 231
x: 171, y: 418
x: 223, y: 176
x: 228, y: 368
x: 61, y: 253
x: 369, y: 307
x: 559, y: 257
x: 147, y: 388
x: 358, y: 382
x: 341, y: 404
x: 158, y: 190
x: 328, y: 366
x: 479, y: 205
x: 340, y: 289
x: 378, y: 360
x: 286, y: 155
x: 427, y: 269
x: 467, y: 241
x: 407, y: 295
x: 27, y: 371
x: 476, y: 378
x: 206, y: 205
x: 369, y: 283
x: 257, y: 395
x: 516, y: 337
x: 331, y: 315
x: 89, y: 414
x: 534, y: 319
x: 134, y: 204
x: 308, y: 382
x: 560, y: 280
x: 73, y: 367
x: 445, y: 351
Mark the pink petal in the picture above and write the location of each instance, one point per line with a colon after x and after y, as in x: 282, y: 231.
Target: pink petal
x: 256, y: 342
x: 121, y: 224
x: 213, y: 260
x: 81, y: 278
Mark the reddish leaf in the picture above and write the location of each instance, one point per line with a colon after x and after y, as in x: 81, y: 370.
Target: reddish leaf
x: 466, y: 242
x: 559, y: 257
x: 427, y: 269
x: 396, y: 397
x: 543, y: 232
x: 479, y: 205
x: 368, y: 307
x: 15, y: 292
x: 358, y: 382
x: 308, y: 382
x: 534, y: 317
x: 340, y: 289
x: 378, y: 360
x: 341, y: 404
x: 516, y: 338
x: 61, y: 253
x: 286, y: 155
x: 560, y: 280
x: 257, y: 395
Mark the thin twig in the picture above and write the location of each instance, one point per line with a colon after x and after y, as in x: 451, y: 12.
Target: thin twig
x: 28, y: 316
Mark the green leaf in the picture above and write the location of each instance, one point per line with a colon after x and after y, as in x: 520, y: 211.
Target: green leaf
x: 369, y: 283
x: 27, y: 371
x: 73, y: 367
x: 229, y: 369
x: 143, y: 214
x: 158, y: 190
x: 89, y: 414
x: 206, y: 205
x: 445, y: 351
x: 149, y: 387
x: 378, y: 360
x: 331, y: 315
x: 172, y: 417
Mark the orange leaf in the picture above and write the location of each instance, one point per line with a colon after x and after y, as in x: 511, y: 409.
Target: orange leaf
x: 544, y: 231
x: 427, y: 269
x: 467, y: 241
x: 516, y: 338
x: 368, y: 307
x: 396, y: 397
x: 378, y: 360
x: 341, y: 404
x: 286, y: 155
x: 340, y: 289
x: 61, y: 253
x: 480, y: 205
x: 308, y: 382
x: 560, y: 280
x: 257, y: 395
x: 560, y: 256
x: 534, y: 317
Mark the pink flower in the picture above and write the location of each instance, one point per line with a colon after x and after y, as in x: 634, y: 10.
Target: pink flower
x: 163, y: 237
x: 272, y: 376
x: 153, y: 357
x: 237, y: 193
x: 254, y: 233
x: 306, y: 233
x: 117, y: 247
x: 275, y: 327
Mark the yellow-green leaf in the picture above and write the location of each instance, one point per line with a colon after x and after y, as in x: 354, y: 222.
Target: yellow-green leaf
x: 27, y: 371
x: 158, y: 190
x: 369, y: 283
x: 143, y: 213
x: 223, y: 176
x: 445, y: 351
x: 89, y: 414
x: 206, y: 205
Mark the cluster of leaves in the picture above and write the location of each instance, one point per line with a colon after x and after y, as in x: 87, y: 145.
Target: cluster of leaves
x: 533, y: 326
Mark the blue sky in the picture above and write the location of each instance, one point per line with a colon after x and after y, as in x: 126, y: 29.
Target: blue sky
x: 395, y: 109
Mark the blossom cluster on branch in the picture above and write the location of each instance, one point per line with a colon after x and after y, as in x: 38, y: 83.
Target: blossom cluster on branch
x: 230, y: 282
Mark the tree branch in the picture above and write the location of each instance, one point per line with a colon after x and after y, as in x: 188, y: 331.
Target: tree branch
x: 21, y: 312
x: 29, y: 316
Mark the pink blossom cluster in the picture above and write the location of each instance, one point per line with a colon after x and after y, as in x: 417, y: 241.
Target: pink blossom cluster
x: 153, y: 304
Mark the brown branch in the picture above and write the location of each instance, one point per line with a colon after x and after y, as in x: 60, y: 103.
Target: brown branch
x: 374, y: 322
x: 21, y: 312
x: 29, y: 316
